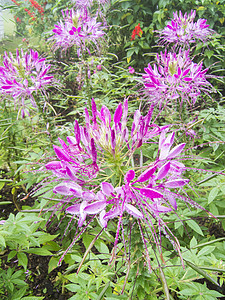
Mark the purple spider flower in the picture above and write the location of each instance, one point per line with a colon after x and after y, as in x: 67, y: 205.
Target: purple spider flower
x: 95, y: 175
x: 22, y: 77
x: 78, y: 29
x: 175, y: 78
x: 88, y: 3
x: 183, y: 31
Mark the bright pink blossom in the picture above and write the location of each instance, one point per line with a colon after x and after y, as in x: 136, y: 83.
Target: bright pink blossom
x: 175, y: 78
x: 22, y: 77
x: 183, y: 31
x: 78, y: 29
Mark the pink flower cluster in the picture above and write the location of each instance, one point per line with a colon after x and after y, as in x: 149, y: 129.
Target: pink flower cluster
x: 78, y: 29
x: 183, y: 31
x: 22, y: 77
x: 125, y: 190
x: 175, y: 77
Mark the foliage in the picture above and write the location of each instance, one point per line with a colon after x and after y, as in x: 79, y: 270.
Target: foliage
x: 180, y: 255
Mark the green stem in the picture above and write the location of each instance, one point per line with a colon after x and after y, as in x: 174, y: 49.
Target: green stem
x: 87, y: 87
x: 164, y: 283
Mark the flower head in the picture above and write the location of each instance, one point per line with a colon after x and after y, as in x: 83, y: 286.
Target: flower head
x: 182, y: 30
x: 96, y: 175
x: 77, y: 28
x: 23, y: 76
x: 131, y: 70
x: 175, y: 77
x: 88, y: 3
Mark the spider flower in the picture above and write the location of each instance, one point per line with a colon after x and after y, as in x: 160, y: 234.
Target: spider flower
x: 175, y: 78
x: 22, y: 77
x: 182, y: 30
x: 88, y: 3
x: 96, y: 177
x: 78, y: 29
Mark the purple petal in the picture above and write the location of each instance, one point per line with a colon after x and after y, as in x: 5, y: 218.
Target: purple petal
x: 63, y: 189
x: 61, y: 154
x: 107, y: 188
x: 172, y: 201
x: 187, y: 79
x: 146, y: 175
x: 93, y: 150
x: 176, y: 183
x: 95, y: 208
x: 53, y: 165
x: 118, y: 114
x: 129, y: 176
x: 102, y: 221
x: 162, y: 209
x: 163, y: 171
x: 176, y: 150
x: 113, y: 213
x: 74, y: 209
x: 150, y: 193
x: 70, y: 172
x: 133, y: 211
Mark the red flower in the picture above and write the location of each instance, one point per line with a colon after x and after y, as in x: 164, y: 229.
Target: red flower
x: 137, y: 31
x: 14, y: 1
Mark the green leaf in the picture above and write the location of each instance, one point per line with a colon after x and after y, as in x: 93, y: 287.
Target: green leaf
x: 208, y: 243
x: 212, y: 195
x: 39, y: 251
x: 22, y: 259
x: 11, y: 254
x: 201, y: 272
x: 33, y: 298
x: 5, y: 202
x: 206, y: 250
x: 2, y: 241
x: 53, y: 263
x: 73, y: 287
x: 193, y: 225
